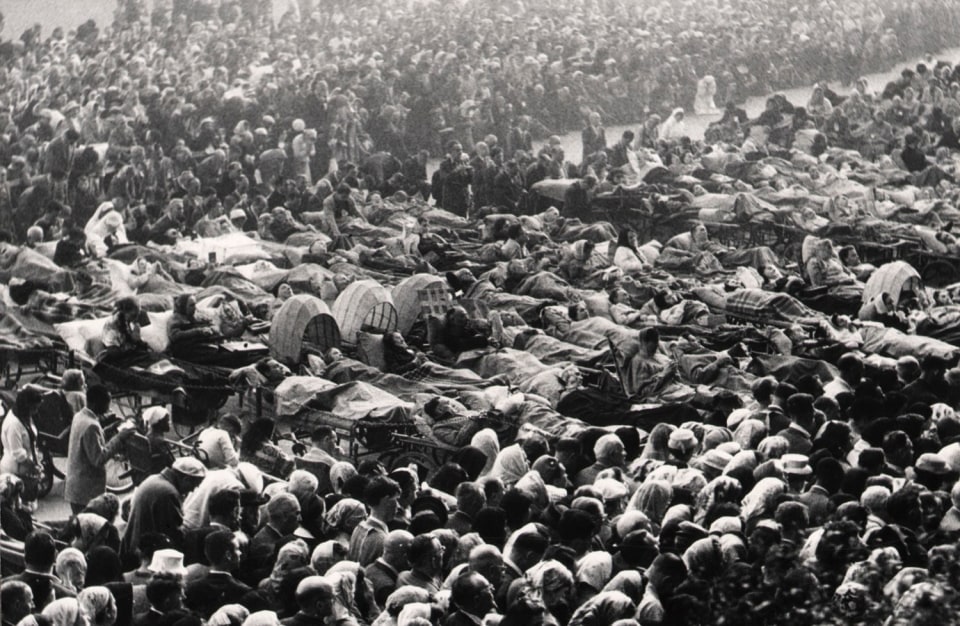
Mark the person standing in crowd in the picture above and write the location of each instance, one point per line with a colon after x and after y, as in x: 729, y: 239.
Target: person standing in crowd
x: 18, y: 434
x: 593, y: 136
x: 219, y: 443
x: 88, y: 452
x: 382, y: 496
x: 157, y: 502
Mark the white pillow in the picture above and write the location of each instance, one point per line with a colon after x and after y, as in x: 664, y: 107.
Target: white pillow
x: 77, y: 334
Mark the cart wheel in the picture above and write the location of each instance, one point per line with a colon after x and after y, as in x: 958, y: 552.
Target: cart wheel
x: 46, y: 474
x: 424, y: 463
x: 939, y: 274
x: 118, y: 475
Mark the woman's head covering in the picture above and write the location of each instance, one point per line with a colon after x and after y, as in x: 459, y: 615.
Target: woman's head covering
x: 487, y: 441
x: 229, y: 615
x: 64, y: 612
x: 69, y: 557
x: 341, y: 472
x: 346, y: 513
x: 595, y: 569
x: 720, y: 489
x: 628, y: 582
x: 98, y: 605
x: 326, y: 554
x: 750, y: 433
x: 656, y: 447
x: 292, y: 555
x: 413, y: 611
x: 704, y: 558
x: 604, y: 609
x: 405, y: 596
x: 759, y: 502
x: 510, y: 465
x: 549, y: 574
x: 652, y: 499
x: 262, y: 618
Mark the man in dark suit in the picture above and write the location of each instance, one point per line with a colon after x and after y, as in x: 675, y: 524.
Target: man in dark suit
x: 283, y: 517
x: 165, y: 594
x: 39, y: 556
x: 218, y: 587
x: 224, y: 508
x: 802, y: 424
x: 472, y: 595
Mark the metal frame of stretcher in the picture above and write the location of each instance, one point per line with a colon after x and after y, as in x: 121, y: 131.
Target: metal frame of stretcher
x: 16, y: 363
x: 936, y: 270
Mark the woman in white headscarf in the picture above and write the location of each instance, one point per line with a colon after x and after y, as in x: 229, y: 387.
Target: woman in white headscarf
x: 98, y: 606
x: 510, y: 465
x: 71, y: 568
x: 674, y: 127
x: 65, y: 612
x: 487, y: 442
x: 105, y: 229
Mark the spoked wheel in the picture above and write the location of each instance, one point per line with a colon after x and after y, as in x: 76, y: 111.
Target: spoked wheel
x: 119, y: 479
x: 421, y: 461
x: 939, y: 274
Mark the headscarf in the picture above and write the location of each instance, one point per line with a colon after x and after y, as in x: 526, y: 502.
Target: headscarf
x: 413, y: 611
x: 292, y: 555
x: 64, y: 612
x: 704, y: 557
x: 326, y: 554
x: 229, y: 615
x: 532, y: 485
x: 341, y: 472
x: 98, y: 602
x: 344, y: 584
x: 402, y: 597
x: 750, y: 433
x: 89, y: 524
x: 343, y: 511
x: 652, y: 499
x: 759, y: 502
x: 67, y: 558
x: 548, y: 575
x: 262, y: 618
x: 720, y: 489
x: 656, y: 447
x: 594, y: 569
x: 487, y: 441
x: 629, y: 582
x: 510, y: 465
x: 603, y: 610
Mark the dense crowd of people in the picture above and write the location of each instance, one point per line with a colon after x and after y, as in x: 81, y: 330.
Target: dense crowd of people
x: 612, y: 453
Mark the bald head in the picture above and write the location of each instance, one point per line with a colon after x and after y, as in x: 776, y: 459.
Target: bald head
x: 395, y: 548
x: 315, y: 596
x: 487, y: 561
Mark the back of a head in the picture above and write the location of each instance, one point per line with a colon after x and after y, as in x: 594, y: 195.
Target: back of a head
x: 217, y: 545
x: 397, y: 541
x: 534, y: 447
x: 470, y: 498
x: 463, y: 591
x: 223, y: 502
x: 39, y: 551
x: 312, y: 589
x: 421, y: 548
x: 98, y: 398
x: 378, y: 488
x: 161, y: 587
